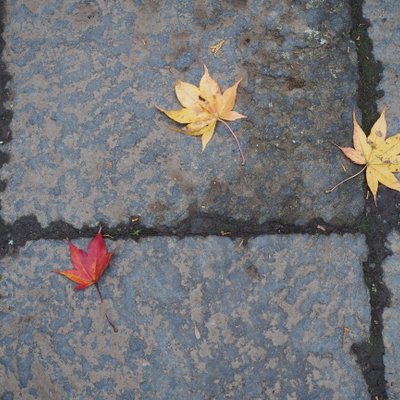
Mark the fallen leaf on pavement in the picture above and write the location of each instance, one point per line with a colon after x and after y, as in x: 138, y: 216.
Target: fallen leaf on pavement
x: 321, y: 228
x: 88, y: 266
x: 379, y: 154
x: 215, y: 49
x: 203, y: 107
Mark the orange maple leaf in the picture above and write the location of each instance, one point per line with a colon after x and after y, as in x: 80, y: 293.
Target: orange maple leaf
x: 379, y: 154
x: 88, y: 266
x: 203, y: 107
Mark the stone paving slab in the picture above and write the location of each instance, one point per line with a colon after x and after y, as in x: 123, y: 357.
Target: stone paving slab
x: 90, y: 145
x: 198, y: 318
x: 391, y: 318
x: 384, y: 32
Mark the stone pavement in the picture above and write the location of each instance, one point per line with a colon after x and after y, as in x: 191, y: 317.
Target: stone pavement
x: 391, y: 318
x: 91, y: 74
x: 198, y: 318
x: 265, y: 316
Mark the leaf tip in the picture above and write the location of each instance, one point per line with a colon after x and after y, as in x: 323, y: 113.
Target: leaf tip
x: 354, y: 116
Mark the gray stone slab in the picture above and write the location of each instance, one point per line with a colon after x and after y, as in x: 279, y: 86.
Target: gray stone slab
x: 384, y: 16
x: 88, y: 143
x: 199, y: 318
x: 391, y: 318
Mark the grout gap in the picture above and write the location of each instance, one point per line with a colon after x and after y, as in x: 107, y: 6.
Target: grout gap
x: 370, y: 353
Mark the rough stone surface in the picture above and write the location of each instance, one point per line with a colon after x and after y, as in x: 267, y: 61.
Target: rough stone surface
x: 391, y: 318
x: 198, y: 318
x: 89, y: 143
x: 384, y: 16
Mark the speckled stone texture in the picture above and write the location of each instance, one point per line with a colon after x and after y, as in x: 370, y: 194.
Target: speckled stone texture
x: 391, y: 318
x: 88, y: 143
x: 198, y: 318
x: 384, y: 16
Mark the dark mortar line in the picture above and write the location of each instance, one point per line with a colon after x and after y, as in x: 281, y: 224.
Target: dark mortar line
x: 5, y: 114
x: 380, y: 221
x: 5, y: 95
x: 15, y: 235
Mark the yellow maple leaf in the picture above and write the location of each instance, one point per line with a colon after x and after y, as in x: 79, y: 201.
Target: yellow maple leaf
x: 379, y: 154
x: 203, y: 107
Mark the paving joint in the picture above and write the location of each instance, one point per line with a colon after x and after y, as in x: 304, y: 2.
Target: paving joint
x: 13, y: 236
x: 5, y: 114
x: 380, y: 221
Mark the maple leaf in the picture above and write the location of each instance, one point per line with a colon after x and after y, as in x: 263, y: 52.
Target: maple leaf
x: 89, y: 266
x: 379, y: 154
x: 203, y: 107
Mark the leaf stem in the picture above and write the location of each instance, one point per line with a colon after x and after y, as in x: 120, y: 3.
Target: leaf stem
x: 115, y: 329
x: 236, y: 139
x: 98, y: 291
x: 345, y: 180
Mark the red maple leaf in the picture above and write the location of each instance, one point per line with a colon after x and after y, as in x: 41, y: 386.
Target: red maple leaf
x: 89, y: 266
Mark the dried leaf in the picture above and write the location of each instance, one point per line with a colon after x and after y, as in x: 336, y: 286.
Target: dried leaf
x: 88, y: 266
x: 321, y: 228
x: 380, y: 155
x: 203, y: 107
x: 215, y: 49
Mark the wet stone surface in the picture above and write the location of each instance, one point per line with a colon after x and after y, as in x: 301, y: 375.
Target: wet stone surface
x: 198, y: 318
x: 89, y: 143
x: 391, y: 317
